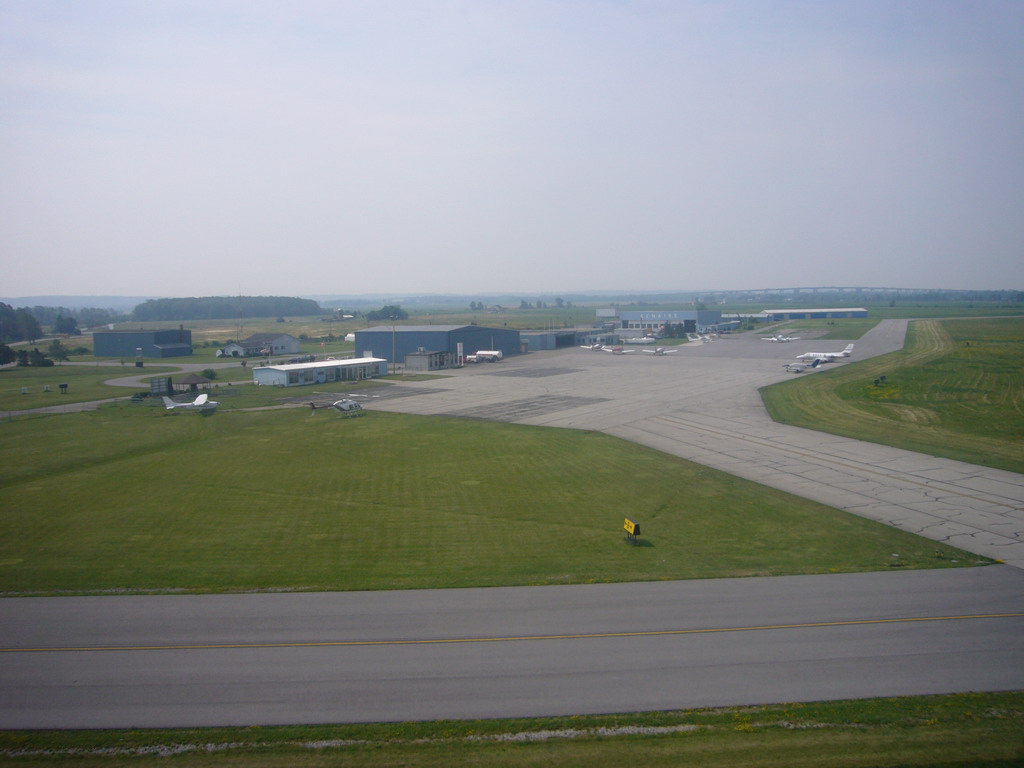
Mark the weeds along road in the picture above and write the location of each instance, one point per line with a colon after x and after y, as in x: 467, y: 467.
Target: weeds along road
x: 702, y: 404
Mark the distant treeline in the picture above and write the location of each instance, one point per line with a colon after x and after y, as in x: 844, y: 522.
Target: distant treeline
x: 85, y: 317
x: 216, y: 307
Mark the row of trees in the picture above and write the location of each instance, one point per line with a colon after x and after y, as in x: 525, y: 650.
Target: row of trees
x: 216, y: 307
x: 67, y: 320
x: 479, y: 306
x: 18, y: 324
x: 56, y: 351
x: 387, y: 312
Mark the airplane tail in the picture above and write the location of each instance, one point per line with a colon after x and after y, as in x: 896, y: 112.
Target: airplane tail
x: 815, y: 363
x: 848, y: 350
x: 169, y: 403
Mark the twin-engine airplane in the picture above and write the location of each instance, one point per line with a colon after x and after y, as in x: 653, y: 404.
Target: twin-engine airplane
x: 203, y: 404
x: 826, y: 357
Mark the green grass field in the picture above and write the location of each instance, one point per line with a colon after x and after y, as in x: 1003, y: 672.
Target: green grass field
x: 957, y: 731
x: 956, y: 390
x: 85, y: 383
x: 141, y: 500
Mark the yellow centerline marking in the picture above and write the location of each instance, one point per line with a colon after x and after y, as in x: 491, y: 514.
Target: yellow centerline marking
x: 509, y: 639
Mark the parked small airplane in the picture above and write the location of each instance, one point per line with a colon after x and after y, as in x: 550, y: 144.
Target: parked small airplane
x: 826, y: 357
x: 801, y: 367
x: 617, y: 350
x: 779, y: 338
x: 599, y: 347
x: 642, y: 340
x: 203, y: 403
x: 659, y: 351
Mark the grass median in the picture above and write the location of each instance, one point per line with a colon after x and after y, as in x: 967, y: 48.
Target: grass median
x: 956, y: 390
x: 954, y: 731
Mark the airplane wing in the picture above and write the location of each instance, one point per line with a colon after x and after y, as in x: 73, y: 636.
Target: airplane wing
x: 201, y: 400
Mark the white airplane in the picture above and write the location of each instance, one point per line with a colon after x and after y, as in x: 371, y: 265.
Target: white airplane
x: 659, y: 351
x: 617, y: 350
x: 826, y: 357
x: 595, y: 347
x: 642, y: 340
x: 779, y: 338
x: 203, y: 404
x: 800, y: 367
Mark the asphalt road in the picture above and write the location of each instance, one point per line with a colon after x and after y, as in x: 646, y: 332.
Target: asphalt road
x: 176, y: 661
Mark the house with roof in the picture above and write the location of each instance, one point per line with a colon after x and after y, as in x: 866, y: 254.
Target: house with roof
x: 262, y: 344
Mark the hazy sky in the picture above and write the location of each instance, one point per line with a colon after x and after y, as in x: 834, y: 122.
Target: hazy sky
x: 216, y: 147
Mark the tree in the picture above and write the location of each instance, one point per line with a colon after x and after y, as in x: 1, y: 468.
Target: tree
x: 209, y: 373
x: 38, y: 359
x: 6, y: 355
x: 57, y: 350
x: 66, y: 325
x: 18, y: 324
x: 27, y: 325
x: 388, y: 312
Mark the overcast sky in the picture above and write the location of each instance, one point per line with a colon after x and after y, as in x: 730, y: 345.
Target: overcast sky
x: 217, y: 147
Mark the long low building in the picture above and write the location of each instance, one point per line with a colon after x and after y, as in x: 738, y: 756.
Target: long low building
x: 813, y: 314
x: 320, y: 372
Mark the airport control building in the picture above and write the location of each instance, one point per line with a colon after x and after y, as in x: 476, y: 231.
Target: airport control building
x: 694, y: 320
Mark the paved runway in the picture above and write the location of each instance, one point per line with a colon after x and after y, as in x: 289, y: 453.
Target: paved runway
x: 177, y: 661
x: 702, y: 404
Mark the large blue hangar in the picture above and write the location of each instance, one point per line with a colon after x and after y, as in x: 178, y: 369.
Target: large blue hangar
x: 166, y: 343
x: 393, y: 343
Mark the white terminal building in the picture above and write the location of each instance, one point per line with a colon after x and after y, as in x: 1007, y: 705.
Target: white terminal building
x: 320, y: 372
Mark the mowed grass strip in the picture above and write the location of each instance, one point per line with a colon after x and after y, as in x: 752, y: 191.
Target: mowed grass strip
x: 956, y: 390
x: 142, y: 500
x: 960, y: 730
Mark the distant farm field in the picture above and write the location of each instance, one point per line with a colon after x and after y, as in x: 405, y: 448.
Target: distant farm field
x: 139, y: 500
x: 956, y: 390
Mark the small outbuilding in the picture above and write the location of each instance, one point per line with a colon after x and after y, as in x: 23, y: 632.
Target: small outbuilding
x: 191, y: 382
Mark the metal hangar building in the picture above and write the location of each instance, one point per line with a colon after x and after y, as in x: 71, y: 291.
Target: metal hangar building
x: 394, y: 342
x: 166, y: 343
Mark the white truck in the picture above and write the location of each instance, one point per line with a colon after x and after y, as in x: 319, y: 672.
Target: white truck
x: 487, y: 356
